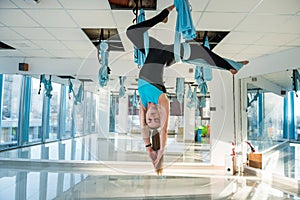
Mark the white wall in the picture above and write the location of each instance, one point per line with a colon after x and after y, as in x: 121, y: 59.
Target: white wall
x: 277, y: 62
x: 123, y: 114
x: 222, y: 124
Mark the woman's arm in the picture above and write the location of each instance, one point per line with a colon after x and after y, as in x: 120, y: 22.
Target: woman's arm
x: 164, y: 103
x: 144, y: 128
x: 145, y: 134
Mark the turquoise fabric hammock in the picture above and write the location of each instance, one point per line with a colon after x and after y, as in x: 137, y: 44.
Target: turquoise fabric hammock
x: 194, y: 102
x: 198, y: 76
x: 180, y: 89
x: 47, y: 85
x: 70, y: 90
x: 202, y: 102
x: 184, y: 26
x: 189, y: 92
x: 139, y: 57
x: 103, y: 74
x: 203, y: 74
x: 122, y: 89
x: 207, y: 71
x: 78, y: 96
x: 135, y: 101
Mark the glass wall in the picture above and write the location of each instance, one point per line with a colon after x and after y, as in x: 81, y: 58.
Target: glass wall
x: 90, y: 113
x: 265, y: 119
x: 133, y: 114
x: 36, y: 111
x: 273, y: 120
x: 54, y: 111
x: 11, y: 89
x: 48, y: 119
x: 78, y: 113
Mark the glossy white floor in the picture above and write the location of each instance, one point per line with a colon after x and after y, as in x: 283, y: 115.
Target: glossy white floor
x: 94, y: 168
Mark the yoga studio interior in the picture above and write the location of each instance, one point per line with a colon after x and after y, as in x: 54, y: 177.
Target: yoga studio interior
x: 70, y: 104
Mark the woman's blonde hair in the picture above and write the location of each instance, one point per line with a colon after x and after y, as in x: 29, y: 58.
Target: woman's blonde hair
x: 156, y: 146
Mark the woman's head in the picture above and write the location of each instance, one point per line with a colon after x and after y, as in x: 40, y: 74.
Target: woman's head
x: 153, y: 117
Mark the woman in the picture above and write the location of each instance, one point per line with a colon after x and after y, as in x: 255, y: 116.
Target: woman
x: 155, y: 106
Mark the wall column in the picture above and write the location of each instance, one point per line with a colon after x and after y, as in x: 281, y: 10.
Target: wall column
x: 104, y: 109
x: 222, y: 124
x: 123, y: 114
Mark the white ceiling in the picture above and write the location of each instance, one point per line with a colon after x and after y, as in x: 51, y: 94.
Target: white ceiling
x: 49, y: 33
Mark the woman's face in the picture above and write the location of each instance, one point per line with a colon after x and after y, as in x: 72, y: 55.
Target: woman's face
x: 153, y: 117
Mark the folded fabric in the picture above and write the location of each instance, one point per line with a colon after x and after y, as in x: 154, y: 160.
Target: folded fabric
x: 78, y: 96
x: 135, y: 101
x: 199, y: 77
x: 207, y: 73
x: 202, y: 103
x: 103, y: 74
x: 180, y: 89
x: 47, y: 85
x: 184, y: 26
x: 139, y: 57
x: 184, y: 23
x: 194, y: 102
x: 189, y: 92
x: 206, y: 42
x: 203, y: 88
x: 122, y: 89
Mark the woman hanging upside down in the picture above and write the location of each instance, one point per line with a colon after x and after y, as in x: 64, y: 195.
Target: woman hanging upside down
x: 155, y: 105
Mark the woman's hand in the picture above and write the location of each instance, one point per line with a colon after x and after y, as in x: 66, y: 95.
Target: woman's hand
x: 160, y: 153
x: 152, y: 154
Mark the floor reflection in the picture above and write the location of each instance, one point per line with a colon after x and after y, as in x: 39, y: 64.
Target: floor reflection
x: 19, y: 185
x: 52, y: 181
x: 115, y: 148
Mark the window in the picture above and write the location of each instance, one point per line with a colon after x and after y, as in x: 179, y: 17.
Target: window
x: 90, y: 109
x: 10, y: 110
x: 265, y: 117
x: 54, y: 111
x: 273, y: 120
x: 133, y: 113
x: 36, y: 111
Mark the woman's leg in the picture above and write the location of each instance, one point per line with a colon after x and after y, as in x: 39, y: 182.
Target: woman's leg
x: 136, y: 32
x: 199, y: 51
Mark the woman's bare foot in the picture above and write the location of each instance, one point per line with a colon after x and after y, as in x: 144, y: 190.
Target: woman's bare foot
x: 244, y: 62
x: 170, y: 8
x: 233, y: 71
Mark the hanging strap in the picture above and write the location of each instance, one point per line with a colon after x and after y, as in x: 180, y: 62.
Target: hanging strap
x: 184, y: 26
x: 122, y: 89
x: 139, y: 57
x: 180, y: 89
x: 104, y: 71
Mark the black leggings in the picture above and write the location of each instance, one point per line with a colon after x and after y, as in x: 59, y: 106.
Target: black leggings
x: 136, y: 31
